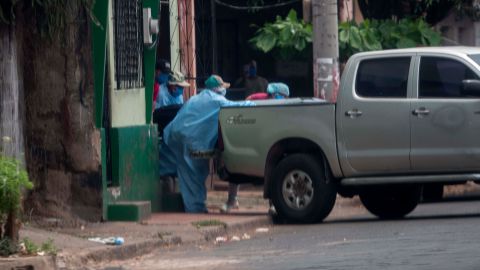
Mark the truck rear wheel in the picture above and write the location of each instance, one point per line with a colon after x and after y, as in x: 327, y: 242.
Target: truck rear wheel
x: 300, y: 191
x: 391, y: 202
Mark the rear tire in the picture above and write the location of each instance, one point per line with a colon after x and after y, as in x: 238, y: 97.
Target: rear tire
x: 391, y: 202
x: 300, y: 190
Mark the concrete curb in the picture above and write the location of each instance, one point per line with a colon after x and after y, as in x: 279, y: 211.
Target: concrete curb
x: 107, y: 253
x: 30, y: 263
x: 212, y: 233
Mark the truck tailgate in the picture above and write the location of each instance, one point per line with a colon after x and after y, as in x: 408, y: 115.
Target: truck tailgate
x: 249, y: 132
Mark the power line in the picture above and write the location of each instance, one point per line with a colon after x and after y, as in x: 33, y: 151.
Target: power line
x: 255, y: 7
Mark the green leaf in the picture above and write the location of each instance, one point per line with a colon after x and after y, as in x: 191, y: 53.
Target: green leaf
x: 432, y: 38
x: 406, y: 43
x: 435, y: 40
x: 370, y: 41
x: 355, y: 38
x: 308, y: 29
x: 292, y: 15
x: 344, y: 36
x: 300, y: 45
x: 366, y: 23
x: 286, y: 33
x: 344, y: 26
x: 266, y: 43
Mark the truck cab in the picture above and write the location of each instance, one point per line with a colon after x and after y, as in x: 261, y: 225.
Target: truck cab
x: 406, y: 112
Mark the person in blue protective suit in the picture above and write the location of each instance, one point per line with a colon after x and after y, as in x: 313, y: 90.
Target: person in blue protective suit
x: 274, y: 91
x: 278, y: 90
x: 162, y: 69
x: 171, y: 93
x: 189, y: 140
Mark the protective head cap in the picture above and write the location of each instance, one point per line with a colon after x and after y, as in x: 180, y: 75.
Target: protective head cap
x: 177, y: 78
x: 278, y: 88
x: 215, y: 82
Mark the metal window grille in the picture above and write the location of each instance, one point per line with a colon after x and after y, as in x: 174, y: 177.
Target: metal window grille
x: 128, y: 42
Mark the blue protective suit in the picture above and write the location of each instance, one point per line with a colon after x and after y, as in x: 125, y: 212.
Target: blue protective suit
x: 195, y: 128
x: 164, y: 98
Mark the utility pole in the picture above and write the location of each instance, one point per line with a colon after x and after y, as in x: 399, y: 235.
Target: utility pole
x: 326, y: 73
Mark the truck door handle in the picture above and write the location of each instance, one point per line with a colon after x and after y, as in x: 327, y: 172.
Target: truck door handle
x: 353, y: 113
x: 421, y: 111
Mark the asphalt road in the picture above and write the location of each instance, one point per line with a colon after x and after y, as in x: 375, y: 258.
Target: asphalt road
x: 435, y: 236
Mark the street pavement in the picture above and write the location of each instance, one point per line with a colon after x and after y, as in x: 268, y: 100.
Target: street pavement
x: 435, y: 236
x: 178, y: 241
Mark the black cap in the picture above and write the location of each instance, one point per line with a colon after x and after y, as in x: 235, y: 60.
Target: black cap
x: 163, y: 65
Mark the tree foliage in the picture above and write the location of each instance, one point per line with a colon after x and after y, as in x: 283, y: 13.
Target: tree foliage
x: 13, y: 180
x: 387, y: 34
x: 286, y: 37
x: 290, y: 37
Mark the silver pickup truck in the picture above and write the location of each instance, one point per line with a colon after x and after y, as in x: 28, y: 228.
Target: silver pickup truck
x: 404, y: 119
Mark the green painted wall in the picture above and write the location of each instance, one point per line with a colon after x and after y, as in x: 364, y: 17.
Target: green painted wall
x: 99, y: 46
x: 134, y: 167
x: 104, y: 174
x: 134, y: 149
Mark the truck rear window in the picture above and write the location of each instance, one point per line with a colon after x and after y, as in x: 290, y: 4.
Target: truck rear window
x: 383, y: 77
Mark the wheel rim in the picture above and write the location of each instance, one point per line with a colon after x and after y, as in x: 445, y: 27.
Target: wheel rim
x: 297, y: 190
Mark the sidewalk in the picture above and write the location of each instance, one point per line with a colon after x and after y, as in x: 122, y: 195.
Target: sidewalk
x: 162, y: 229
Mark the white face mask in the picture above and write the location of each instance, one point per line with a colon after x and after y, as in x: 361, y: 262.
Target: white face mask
x: 221, y: 91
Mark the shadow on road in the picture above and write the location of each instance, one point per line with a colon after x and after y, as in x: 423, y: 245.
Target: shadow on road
x: 408, y: 218
x: 243, y: 213
x: 463, y: 198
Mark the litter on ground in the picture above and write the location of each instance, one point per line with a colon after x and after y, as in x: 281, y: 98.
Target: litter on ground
x: 261, y: 230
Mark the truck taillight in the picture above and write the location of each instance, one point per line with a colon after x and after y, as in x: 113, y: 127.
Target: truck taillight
x: 220, y: 139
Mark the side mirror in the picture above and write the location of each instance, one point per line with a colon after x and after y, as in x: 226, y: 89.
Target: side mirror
x: 471, y: 88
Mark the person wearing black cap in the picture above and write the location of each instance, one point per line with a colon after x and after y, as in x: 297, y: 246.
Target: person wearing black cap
x: 162, y: 69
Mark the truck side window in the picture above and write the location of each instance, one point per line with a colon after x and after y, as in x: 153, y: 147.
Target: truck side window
x: 383, y: 77
x: 442, y: 77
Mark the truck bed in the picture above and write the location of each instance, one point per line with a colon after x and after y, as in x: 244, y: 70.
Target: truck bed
x: 249, y: 133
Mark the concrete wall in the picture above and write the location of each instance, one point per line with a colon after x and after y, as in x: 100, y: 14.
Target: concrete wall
x: 459, y: 31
